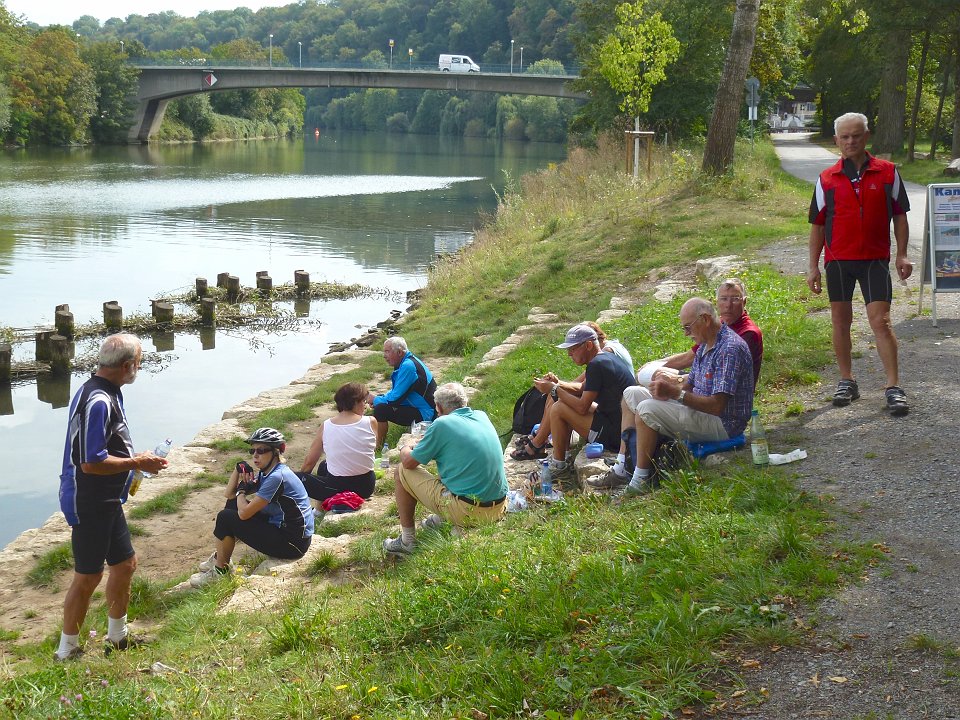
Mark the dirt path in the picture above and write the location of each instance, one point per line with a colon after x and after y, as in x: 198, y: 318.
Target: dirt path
x: 888, y: 647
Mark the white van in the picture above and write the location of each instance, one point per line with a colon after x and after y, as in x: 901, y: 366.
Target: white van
x: 457, y: 63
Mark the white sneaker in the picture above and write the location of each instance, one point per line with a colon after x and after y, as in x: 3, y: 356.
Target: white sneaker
x: 209, y: 562
x: 432, y: 522
x: 397, y: 547
x: 212, y: 575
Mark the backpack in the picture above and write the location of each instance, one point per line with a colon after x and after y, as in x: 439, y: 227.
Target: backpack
x: 528, y: 411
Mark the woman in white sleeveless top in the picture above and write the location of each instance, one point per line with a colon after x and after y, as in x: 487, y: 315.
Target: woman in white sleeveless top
x: 348, y: 440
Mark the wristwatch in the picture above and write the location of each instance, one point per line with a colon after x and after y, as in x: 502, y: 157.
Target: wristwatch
x: 553, y: 393
x: 681, y: 396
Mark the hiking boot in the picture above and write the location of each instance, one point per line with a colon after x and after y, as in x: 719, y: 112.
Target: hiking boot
x: 74, y: 654
x: 564, y: 475
x: 214, y: 573
x: 397, y: 548
x: 608, y: 481
x: 630, y: 491
x: 897, y: 401
x: 432, y: 522
x: 127, y: 643
x: 846, y: 392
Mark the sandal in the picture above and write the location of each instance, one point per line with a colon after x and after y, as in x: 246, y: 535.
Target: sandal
x: 529, y: 451
x: 522, y: 441
x: 897, y: 401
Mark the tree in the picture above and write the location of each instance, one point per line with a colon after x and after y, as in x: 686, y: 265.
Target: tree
x: 116, y: 83
x: 633, y: 58
x: 54, y: 91
x: 722, y: 131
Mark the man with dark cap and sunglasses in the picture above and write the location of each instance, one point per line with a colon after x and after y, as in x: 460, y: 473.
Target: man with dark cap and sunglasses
x: 594, y: 410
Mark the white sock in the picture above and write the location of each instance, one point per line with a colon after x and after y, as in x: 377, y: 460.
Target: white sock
x: 116, y: 628
x: 67, y: 644
x: 408, y: 535
x: 640, y: 476
x: 620, y: 468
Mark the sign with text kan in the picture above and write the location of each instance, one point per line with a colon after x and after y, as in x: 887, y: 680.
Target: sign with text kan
x: 940, y: 267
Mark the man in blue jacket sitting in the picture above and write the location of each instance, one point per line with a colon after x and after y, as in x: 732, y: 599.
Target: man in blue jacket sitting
x: 410, y: 399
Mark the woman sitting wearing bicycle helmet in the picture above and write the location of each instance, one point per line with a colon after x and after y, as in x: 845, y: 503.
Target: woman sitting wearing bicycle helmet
x: 276, y: 520
x: 348, y: 442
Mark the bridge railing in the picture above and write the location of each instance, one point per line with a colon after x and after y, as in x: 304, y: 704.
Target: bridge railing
x: 398, y: 66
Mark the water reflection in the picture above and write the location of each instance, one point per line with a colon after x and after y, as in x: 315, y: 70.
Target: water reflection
x: 6, y: 400
x: 53, y: 389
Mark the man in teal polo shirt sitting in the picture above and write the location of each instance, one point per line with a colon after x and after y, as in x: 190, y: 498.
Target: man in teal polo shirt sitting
x: 472, y: 486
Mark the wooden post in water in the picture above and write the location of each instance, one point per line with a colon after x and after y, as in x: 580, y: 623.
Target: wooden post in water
x: 222, y: 279
x: 42, y: 352
x: 112, y: 315
x: 6, y: 355
x: 59, y: 355
x: 233, y: 288
x: 202, y: 289
x: 301, y: 278
x: 208, y: 311
x: 264, y: 283
x: 162, y: 311
x: 64, y: 323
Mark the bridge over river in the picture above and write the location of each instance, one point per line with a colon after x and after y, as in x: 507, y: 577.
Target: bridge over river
x: 161, y: 84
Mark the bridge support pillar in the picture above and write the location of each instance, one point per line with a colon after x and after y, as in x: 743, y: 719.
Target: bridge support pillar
x: 146, y: 121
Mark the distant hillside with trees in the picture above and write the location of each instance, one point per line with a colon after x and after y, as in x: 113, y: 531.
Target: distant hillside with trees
x: 894, y: 60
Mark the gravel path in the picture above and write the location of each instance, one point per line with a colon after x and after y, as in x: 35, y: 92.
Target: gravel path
x: 888, y: 647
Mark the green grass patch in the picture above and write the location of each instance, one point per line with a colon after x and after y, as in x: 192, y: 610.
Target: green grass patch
x: 324, y: 563
x: 51, y: 564
x: 172, y: 501
x: 615, y: 611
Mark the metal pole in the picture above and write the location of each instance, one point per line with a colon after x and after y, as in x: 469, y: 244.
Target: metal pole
x: 121, y: 47
x: 271, y: 49
x: 511, y: 57
x: 300, y: 49
x: 521, y: 58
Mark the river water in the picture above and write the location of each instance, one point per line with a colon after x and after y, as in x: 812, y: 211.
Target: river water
x: 84, y: 226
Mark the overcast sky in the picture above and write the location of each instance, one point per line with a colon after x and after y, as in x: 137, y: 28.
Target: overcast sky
x: 64, y: 12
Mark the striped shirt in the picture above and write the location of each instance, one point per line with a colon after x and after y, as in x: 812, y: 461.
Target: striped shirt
x: 97, y: 428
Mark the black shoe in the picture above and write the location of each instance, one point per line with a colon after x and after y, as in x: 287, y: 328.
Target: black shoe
x: 846, y: 392
x: 897, y: 401
x: 127, y: 643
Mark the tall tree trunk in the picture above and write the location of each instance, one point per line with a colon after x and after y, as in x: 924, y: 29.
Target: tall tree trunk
x: 935, y: 133
x: 912, y: 140
x: 892, y: 109
x: 718, y: 153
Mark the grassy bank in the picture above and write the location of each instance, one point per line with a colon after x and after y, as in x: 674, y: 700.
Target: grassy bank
x: 581, y: 609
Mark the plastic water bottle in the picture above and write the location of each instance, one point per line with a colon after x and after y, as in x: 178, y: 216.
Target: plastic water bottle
x: 138, y: 475
x: 384, y: 457
x: 546, y: 480
x: 758, y: 440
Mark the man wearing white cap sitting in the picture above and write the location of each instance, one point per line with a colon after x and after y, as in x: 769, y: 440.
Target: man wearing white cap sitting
x: 594, y: 411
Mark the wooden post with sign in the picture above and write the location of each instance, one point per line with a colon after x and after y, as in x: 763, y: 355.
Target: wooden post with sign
x: 633, y: 138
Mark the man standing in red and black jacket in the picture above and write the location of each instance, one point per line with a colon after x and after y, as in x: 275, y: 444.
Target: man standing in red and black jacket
x: 853, y: 204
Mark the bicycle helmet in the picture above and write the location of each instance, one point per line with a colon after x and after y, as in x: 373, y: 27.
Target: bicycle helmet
x: 268, y: 436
